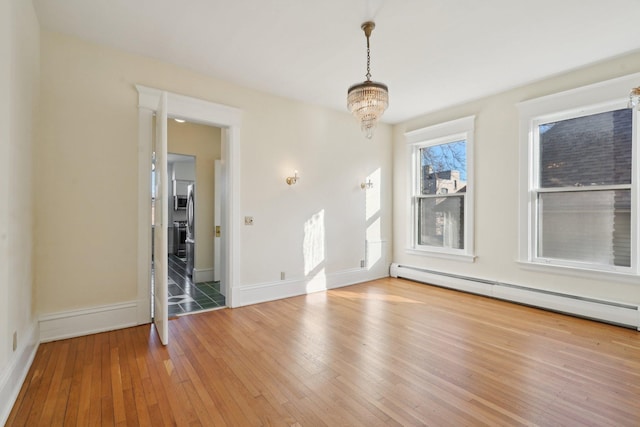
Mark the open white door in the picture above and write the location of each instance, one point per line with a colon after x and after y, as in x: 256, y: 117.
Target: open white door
x: 161, y: 212
x: 217, y: 212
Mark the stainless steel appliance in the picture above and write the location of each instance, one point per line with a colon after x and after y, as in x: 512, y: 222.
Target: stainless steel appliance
x: 179, y: 203
x: 190, y: 238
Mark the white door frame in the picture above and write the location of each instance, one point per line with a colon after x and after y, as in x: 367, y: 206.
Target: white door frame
x: 161, y: 214
x: 207, y: 113
x: 217, y: 213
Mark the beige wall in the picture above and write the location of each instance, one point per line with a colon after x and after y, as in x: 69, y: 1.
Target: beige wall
x: 19, y: 83
x: 86, y: 212
x: 5, y: 139
x: 86, y: 180
x: 203, y: 142
x: 497, y: 187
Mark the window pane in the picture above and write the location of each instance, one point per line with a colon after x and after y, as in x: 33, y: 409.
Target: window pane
x: 586, y: 226
x: 443, y: 168
x: 441, y: 222
x: 590, y: 150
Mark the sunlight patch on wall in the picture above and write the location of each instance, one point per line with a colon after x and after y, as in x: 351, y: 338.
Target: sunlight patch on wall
x: 374, y: 243
x: 313, y: 244
x: 374, y: 226
x: 318, y: 282
x: 372, y: 202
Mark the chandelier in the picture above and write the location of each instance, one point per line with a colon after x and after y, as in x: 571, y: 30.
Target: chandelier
x: 368, y: 100
x: 634, y: 97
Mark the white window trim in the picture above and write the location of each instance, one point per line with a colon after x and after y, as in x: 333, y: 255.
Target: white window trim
x: 604, y: 96
x: 455, y: 130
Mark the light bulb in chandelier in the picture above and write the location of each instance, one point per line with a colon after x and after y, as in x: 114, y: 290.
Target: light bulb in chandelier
x: 368, y: 100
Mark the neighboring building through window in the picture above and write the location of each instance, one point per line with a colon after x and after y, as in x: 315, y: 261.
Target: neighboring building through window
x: 581, y: 203
x: 584, y: 191
x: 441, y: 202
x: 440, y: 205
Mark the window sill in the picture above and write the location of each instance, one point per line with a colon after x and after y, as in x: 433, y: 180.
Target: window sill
x: 444, y: 255
x: 580, y: 272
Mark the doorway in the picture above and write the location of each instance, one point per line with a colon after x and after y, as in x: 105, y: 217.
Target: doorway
x: 203, y: 112
x: 194, y: 150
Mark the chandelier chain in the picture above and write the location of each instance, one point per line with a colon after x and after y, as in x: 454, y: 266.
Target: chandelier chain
x: 368, y: 75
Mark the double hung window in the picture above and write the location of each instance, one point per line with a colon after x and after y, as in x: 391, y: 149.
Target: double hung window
x: 582, y: 187
x: 441, y: 196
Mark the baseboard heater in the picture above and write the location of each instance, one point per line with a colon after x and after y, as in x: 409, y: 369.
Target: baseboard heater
x: 621, y: 314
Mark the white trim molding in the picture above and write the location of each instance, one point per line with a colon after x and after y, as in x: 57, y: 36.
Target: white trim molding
x: 202, y: 275
x: 271, y: 291
x: 614, y: 312
x: 203, y: 112
x: 604, y: 96
x: 442, y: 133
x: 75, y: 323
x: 15, y: 372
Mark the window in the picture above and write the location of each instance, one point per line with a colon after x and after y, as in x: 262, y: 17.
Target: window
x: 581, y: 201
x: 441, y: 183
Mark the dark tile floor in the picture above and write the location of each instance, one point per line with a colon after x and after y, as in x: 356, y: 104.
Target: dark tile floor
x: 186, y: 296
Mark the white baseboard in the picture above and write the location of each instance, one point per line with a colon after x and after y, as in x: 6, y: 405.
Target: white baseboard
x: 75, y: 323
x: 14, y: 374
x: 202, y: 275
x: 614, y: 312
x: 270, y: 291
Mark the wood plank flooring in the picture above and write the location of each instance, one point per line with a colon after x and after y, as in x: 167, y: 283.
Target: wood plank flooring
x: 387, y: 352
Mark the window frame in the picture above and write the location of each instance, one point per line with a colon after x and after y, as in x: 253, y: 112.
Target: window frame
x: 584, y: 101
x: 452, y: 131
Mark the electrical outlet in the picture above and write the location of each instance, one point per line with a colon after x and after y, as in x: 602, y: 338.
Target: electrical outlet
x: 15, y: 340
x: 362, y: 263
x: 248, y: 220
x: 282, y: 275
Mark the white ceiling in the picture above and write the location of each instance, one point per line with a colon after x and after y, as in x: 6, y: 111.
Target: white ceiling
x: 431, y: 53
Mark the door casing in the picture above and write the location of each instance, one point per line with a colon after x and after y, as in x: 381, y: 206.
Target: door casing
x: 203, y: 112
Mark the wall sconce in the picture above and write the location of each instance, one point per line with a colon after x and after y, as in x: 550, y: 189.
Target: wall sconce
x: 293, y: 179
x: 634, y: 97
x: 368, y: 185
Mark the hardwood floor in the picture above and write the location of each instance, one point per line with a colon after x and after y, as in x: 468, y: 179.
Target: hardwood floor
x: 388, y: 352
